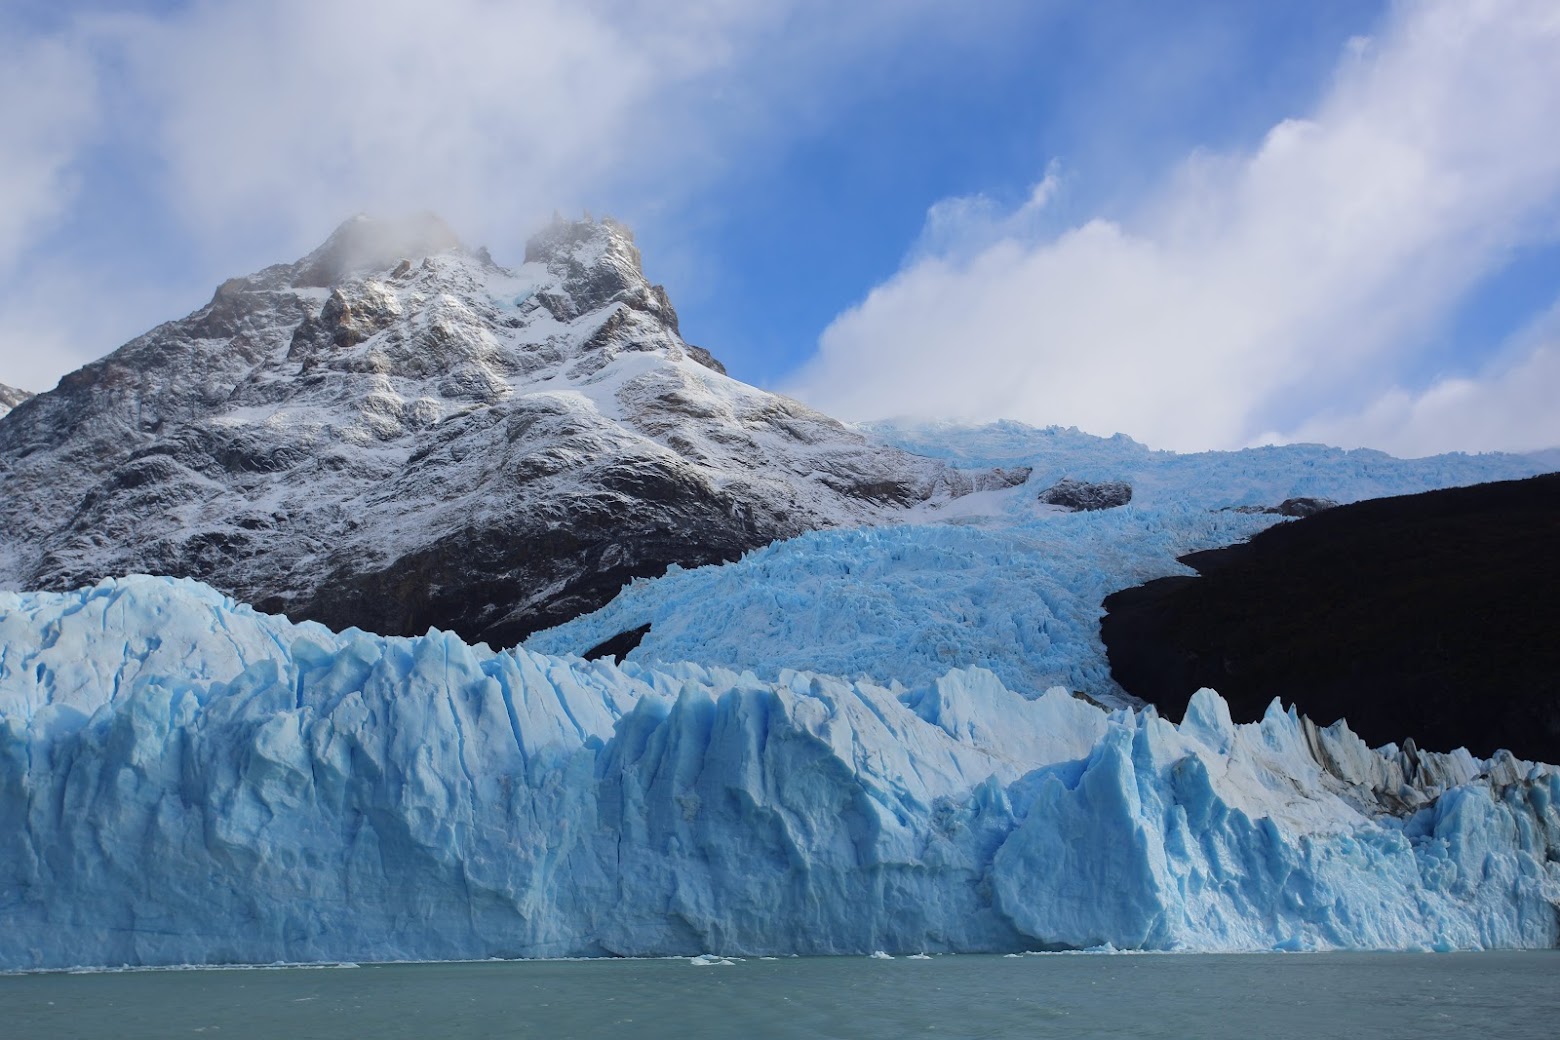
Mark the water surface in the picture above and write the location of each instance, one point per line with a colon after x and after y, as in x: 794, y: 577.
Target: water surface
x: 1511, y: 995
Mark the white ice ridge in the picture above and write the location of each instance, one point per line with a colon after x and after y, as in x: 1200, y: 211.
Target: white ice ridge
x: 184, y: 780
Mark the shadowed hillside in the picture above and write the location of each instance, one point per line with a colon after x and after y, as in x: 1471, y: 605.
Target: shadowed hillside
x: 1432, y: 616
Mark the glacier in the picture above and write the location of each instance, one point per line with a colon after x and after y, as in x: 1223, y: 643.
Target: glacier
x: 186, y: 780
x: 992, y: 579
x: 909, y: 602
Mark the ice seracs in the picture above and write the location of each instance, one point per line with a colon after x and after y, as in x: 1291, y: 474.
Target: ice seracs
x: 184, y: 780
x: 992, y: 579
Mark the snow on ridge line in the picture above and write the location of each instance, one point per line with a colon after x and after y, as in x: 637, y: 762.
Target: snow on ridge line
x: 186, y: 780
x: 1260, y: 476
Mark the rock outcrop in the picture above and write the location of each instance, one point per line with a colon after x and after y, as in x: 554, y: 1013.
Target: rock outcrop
x: 1296, y: 507
x: 10, y: 397
x: 1083, y: 496
x: 1429, y: 616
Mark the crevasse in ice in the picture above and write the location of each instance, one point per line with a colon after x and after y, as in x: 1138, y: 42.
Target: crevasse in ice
x: 183, y: 780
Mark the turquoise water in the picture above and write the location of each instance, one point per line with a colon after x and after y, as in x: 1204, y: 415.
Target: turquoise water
x: 1509, y: 995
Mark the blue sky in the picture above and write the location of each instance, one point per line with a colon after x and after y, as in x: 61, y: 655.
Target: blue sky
x: 1203, y: 224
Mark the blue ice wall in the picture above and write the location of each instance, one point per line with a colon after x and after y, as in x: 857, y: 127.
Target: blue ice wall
x: 185, y: 780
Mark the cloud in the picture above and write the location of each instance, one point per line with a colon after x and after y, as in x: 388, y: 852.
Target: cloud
x: 1507, y: 406
x: 1254, y: 288
x: 966, y: 225
x: 299, y: 112
x: 225, y: 136
x: 48, y: 107
x: 294, y: 113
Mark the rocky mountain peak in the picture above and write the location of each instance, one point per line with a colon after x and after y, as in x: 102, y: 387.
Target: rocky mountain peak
x: 396, y: 432
x: 565, y: 243
x: 596, y: 264
x: 367, y: 245
x: 10, y: 397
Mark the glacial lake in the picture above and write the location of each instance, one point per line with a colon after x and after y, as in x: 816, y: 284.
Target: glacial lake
x: 1333, y: 995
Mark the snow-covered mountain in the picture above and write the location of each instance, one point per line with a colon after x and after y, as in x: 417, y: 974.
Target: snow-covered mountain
x: 183, y: 780
x: 396, y: 433
x: 10, y: 397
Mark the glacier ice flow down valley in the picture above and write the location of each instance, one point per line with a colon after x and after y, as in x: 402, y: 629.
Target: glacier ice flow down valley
x: 185, y: 780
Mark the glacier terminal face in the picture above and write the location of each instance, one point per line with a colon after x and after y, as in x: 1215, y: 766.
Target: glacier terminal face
x: 185, y: 780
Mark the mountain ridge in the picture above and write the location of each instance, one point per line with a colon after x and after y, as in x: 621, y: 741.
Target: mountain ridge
x: 396, y: 433
x: 10, y: 397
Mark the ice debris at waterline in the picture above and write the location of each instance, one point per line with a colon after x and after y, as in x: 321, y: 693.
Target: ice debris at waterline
x: 184, y: 780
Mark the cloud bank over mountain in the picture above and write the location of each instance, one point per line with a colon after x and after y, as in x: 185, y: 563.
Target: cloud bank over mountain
x: 1288, y: 291
x: 1335, y: 261
x: 245, y: 132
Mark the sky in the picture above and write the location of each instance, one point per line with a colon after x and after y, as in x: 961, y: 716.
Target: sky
x: 1206, y: 225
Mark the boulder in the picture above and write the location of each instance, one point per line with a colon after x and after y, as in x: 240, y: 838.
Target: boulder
x: 1082, y: 495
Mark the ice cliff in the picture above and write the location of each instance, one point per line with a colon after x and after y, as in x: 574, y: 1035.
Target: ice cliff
x: 183, y: 779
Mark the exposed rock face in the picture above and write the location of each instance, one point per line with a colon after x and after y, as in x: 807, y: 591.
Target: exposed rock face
x: 619, y: 646
x: 1080, y: 495
x: 10, y: 397
x: 1292, y: 507
x: 396, y: 433
x: 1304, y: 506
x: 1431, y: 616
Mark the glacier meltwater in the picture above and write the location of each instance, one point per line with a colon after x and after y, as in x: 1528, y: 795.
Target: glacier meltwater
x: 185, y: 780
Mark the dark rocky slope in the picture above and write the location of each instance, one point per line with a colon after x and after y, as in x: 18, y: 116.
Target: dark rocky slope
x: 1432, y: 616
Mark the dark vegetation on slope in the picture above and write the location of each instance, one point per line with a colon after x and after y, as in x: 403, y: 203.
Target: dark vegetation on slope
x: 1432, y: 616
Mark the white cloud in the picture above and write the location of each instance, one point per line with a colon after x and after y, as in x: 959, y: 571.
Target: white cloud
x: 1255, y: 286
x: 300, y: 112
x: 48, y: 107
x: 966, y: 225
x: 1508, y: 406
x: 295, y: 113
x: 240, y: 134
